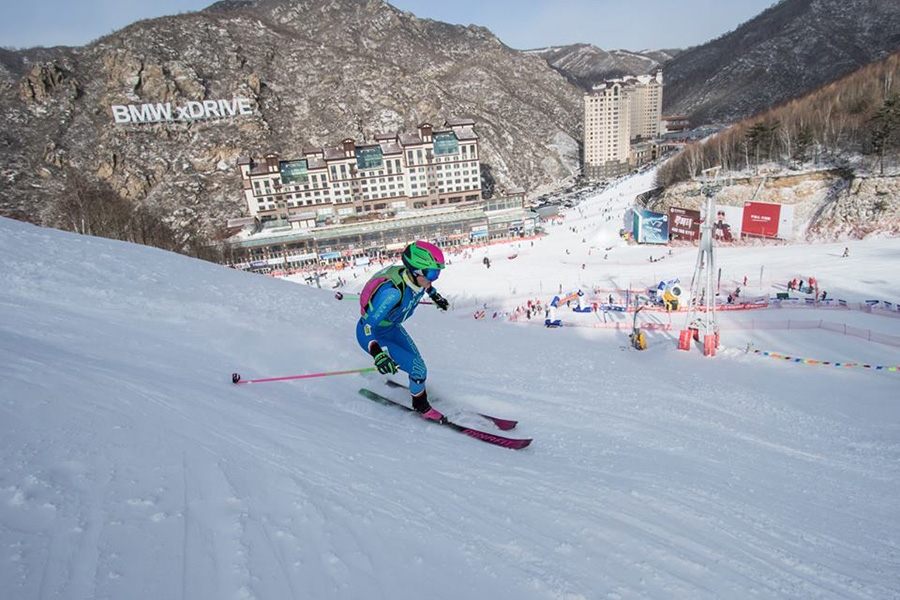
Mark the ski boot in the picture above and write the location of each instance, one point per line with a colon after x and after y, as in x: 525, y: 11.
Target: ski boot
x: 421, y: 405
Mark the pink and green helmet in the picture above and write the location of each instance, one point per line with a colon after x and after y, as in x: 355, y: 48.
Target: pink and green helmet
x: 421, y: 256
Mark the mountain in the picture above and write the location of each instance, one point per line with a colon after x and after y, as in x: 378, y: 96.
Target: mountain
x: 789, y: 49
x: 317, y: 72
x: 586, y: 65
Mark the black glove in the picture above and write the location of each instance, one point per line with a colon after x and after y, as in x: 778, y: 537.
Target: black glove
x: 383, y: 362
x: 441, y: 302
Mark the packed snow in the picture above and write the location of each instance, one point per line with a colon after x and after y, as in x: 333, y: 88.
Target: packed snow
x: 133, y: 468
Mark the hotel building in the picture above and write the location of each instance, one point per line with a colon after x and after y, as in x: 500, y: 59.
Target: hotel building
x: 426, y: 169
x: 354, y: 202
x: 618, y: 114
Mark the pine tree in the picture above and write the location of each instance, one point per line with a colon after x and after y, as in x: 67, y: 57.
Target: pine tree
x: 886, y: 128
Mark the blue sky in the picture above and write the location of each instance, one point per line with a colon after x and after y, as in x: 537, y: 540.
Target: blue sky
x: 522, y: 24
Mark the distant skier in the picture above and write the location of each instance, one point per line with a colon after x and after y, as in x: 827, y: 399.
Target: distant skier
x: 388, y: 299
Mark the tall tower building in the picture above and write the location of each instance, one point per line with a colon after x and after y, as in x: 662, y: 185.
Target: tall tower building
x: 607, y: 130
x: 646, y: 106
x: 618, y: 113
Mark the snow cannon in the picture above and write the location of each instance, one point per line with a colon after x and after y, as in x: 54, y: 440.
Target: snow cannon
x: 637, y: 338
x: 670, y: 293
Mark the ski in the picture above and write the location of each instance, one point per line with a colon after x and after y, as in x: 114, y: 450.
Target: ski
x: 343, y: 296
x: 502, y: 424
x: 497, y: 440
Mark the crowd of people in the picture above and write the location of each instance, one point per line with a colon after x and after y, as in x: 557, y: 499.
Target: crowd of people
x: 806, y: 286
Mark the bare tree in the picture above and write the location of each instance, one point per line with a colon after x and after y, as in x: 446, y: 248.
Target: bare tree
x: 94, y: 208
x: 848, y: 116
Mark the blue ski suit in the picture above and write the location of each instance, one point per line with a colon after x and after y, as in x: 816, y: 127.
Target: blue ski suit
x: 393, y: 302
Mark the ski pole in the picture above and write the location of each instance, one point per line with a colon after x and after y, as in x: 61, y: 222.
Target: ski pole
x: 343, y: 296
x: 236, y: 377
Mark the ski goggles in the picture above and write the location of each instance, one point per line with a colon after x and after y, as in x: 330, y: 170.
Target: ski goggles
x: 429, y: 274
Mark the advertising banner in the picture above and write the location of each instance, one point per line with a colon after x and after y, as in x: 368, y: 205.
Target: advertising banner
x: 684, y: 223
x: 298, y: 258
x: 193, y: 110
x: 651, y: 227
x: 726, y: 223
x: 786, y: 222
x: 761, y: 219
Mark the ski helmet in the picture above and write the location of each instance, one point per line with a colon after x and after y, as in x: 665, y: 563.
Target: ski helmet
x: 420, y: 256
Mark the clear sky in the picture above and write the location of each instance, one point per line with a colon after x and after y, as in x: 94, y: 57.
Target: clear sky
x: 522, y: 24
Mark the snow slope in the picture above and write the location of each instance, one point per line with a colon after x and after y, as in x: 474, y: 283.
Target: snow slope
x: 131, y: 467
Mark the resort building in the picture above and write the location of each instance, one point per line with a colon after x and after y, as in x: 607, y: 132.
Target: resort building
x: 282, y: 249
x: 426, y: 169
x: 618, y: 114
x: 357, y: 202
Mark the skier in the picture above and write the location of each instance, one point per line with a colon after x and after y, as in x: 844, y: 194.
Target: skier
x: 388, y: 299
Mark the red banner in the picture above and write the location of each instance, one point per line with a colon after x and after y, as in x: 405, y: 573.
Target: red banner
x: 684, y: 223
x: 761, y: 219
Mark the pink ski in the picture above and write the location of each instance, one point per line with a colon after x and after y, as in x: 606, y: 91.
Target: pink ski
x: 484, y: 436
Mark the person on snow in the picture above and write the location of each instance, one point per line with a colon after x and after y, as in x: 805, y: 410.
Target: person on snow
x: 388, y: 299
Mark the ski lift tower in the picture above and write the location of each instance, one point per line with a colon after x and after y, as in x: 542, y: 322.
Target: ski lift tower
x: 701, y: 318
